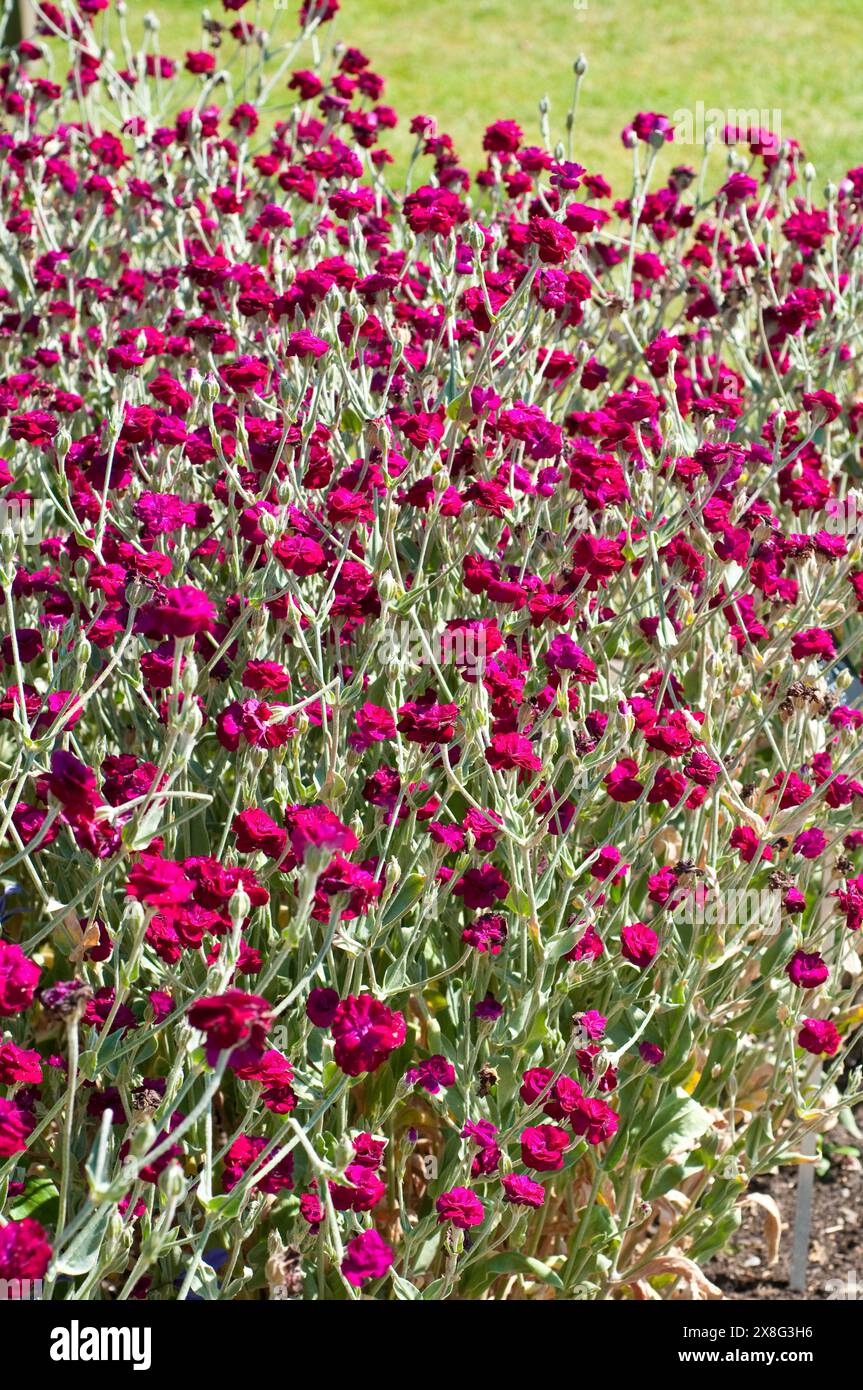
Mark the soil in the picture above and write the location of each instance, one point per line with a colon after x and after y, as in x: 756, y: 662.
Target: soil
x: 835, y: 1268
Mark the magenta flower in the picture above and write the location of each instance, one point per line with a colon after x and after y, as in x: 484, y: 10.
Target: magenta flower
x: 242, y: 1157
x: 232, y: 1020
x: 178, y: 612
x: 461, y: 1207
x: 807, y: 970
x: 367, y: 1257
x: 812, y: 642
x: 256, y: 832
x: 543, y: 1147
x: 819, y: 1035
x: 322, y: 1006
x: 639, y: 944
x: 486, y: 933
x: 317, y: 827
x: 19, y: 1066
x: 19, y: 977
x: 432, y: 1075
x: 482, y: 887
x: 24, y: 1253
x: 15, y: 1126
x: 366, y: 1032
x: 593, y: 1120
x: 522, y: 1191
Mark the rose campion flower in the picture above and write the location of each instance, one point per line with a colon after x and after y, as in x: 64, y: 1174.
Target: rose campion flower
x: 609, y: 865
x: 73, y: 784
x: 807, y: 970
x: 322, y: 1006
x: 744, y: 839
x: 621, y: 782
x: 305, y: 344
x: 639, y: 944
x: 503, y: 137
x: 159, y: 882
x: 536, y: 1082
x: 812, y: 642
x: 507, y: 751
x: 233, y: 1022
x: 738, y: 188
x: 257, y: 832
x: 242, y: 1157
x: 649, y: 126
x: 564, y: 655
x: 369, y: 1150
x: 361, y: 1192
x: 554, y: 241
x: 488, y: 1008
x: 822, y: 403
x: 589, y: 1026
x: 484, y: 1135
x: 178, y: 612
x: 588, y: 947
x: 433, y: 1075
x: 319, y: 828
x: 365, y: 1033
x: 486, y: 933
x: 274, y: 1074
x: 245, y: 374
x: 18, y: 1066
x: 482, y: 887
x: 522, y: 1191
x: 374, y: 725
x: 266, y: 675
x: 426, y: 722
x: 15, y: 1127
x: 543, y: 1147
x: 819, y: 1035
x: 461, y: 1207
x: 810, y: 843
x: 367, y: 1257
x: 19, y: 977
x: 593, y: 1120
x: 311, y: 1210
x: 24, y: 1253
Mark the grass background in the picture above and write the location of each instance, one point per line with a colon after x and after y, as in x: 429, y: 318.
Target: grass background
x: 469, y: 62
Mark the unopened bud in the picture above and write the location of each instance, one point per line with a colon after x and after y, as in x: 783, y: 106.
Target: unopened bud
x: 210, y: 389
x: 172, y: 1183
x: 240, y: 906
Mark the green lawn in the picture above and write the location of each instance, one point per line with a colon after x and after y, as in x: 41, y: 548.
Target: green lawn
x: 469, y: 62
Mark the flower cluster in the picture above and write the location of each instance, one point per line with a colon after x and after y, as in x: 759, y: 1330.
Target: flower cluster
x: 387, y: 955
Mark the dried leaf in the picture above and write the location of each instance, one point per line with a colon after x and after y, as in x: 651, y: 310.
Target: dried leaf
x: 772, y: 1221
x: 695, y: 1279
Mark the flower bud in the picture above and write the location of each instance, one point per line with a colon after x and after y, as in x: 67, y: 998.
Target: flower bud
x: 172, y: 1183
x: 210, y: 389
x: 142, y: 1139
x: 240, y: 906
